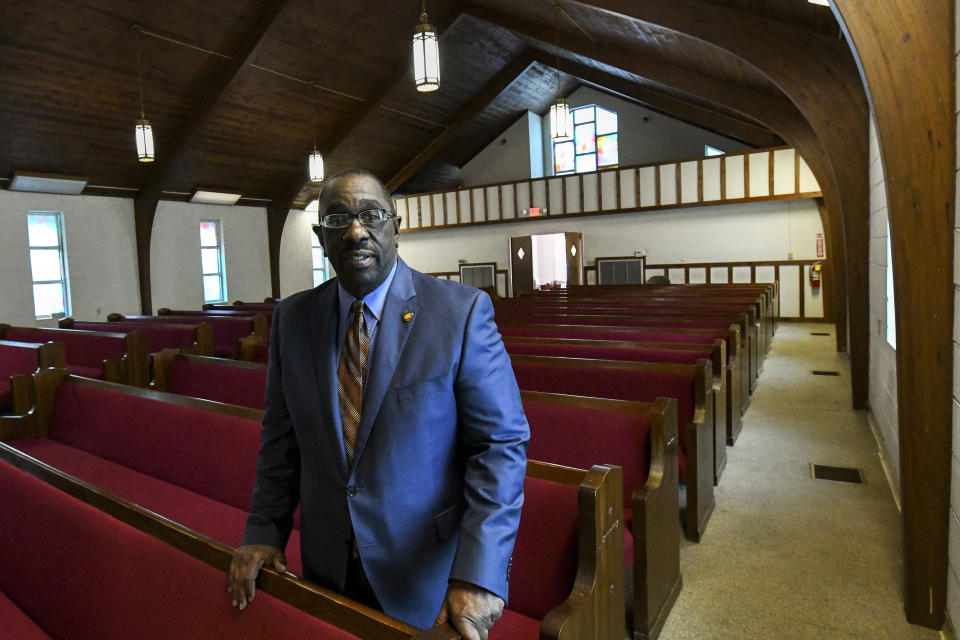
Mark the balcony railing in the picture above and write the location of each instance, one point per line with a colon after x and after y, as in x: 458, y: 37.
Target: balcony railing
x: 750, y: 176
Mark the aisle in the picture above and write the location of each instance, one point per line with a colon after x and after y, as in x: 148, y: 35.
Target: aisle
x: 786, y: 556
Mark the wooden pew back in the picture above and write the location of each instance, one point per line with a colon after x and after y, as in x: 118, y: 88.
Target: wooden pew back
x: 218, y: 379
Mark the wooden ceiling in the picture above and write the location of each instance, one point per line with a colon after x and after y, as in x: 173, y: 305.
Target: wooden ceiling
x: 237, y: 90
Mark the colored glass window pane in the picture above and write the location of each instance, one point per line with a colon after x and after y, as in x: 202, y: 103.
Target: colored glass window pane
x: 606, y: 121
x: 318, y: 258
x: 210, y: 260
x: 608, y: 150
x: 211, y: 289
x: 43, y: 231
x: 208, y: 234
x: 45, y: 265
x: 563, y: 157
x: 583, y: 114
x: 48, y: 299
x: 586, y: 163
x: 583, y: 136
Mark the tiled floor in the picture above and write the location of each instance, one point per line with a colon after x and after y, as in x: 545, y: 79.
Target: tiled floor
x: 786, y: 556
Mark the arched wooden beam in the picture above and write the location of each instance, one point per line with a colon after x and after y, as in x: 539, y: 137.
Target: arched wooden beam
x: 749, y: 133
x: 818, y: 74
x: 776, y: 113
x: 904, y: 51
x: 169, y: 154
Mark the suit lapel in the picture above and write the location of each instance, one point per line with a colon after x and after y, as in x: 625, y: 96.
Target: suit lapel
x: 324, y: 342
x: 392, y: 336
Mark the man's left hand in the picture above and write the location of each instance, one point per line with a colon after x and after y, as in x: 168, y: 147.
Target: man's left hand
x: 470, y: 609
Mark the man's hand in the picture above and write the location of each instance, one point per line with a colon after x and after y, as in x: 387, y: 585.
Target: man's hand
x: 246, y: 565
x: 470, y: 609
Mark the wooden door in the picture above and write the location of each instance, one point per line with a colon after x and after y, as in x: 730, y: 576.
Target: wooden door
x: 574, y: 246
x: 521, y: 263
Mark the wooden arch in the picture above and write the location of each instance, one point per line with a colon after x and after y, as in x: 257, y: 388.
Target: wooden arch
x: 903, y: 48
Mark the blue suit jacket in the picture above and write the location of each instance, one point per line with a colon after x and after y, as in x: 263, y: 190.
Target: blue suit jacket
x: 437, y: 483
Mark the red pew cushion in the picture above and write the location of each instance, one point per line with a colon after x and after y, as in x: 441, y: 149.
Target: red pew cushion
x: 16, y: 360
x: 88, y: 350
x: 545, y: 555
x: 6, y: 395
x: 619, y: 384
x: 209, y: 453
x: 233, y: 385
x: 84, y: 575
x: 17, y: 624
x: 514, y: 626
x: 157, y: 337
x: 600, y: 352
x: 219, y: 521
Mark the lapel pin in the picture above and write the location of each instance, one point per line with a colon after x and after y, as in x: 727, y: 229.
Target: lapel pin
x: 407, y: 316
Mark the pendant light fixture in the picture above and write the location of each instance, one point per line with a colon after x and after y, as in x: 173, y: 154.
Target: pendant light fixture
x: 561, y: 122
x: 143, y: 132
x: 315, y: 160
x: 426, y: 54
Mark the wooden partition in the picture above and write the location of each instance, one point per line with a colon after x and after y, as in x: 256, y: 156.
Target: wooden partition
x: 761, y: 174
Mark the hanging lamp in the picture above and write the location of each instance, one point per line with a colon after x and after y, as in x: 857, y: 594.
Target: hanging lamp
x: 561, y: 123
x: 426, y: 54
x: 143, y: 132
x: 315, y: 160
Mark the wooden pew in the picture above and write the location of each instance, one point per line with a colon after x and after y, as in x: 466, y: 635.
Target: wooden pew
x: 153, y: 578
x: 172, y: 449
x: 748, y: 342
x: 732, y: 369
x: 240, y: 305
x: 191, y: 338
x: 218, y: 379
x: 115, y: 357
x: 641, y: 438
x: 644, y: 352
x: 18, y: 362
x: 690, y: 385
x: 233, y: 337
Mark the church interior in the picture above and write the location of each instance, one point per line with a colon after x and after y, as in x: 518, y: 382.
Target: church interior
x: 719, y: 237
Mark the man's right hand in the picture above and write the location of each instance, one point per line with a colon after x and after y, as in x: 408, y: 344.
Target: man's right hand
x: 246, y: 565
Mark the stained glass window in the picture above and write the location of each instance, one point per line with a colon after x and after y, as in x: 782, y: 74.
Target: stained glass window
x: 48, y: 265
x: 594, y: 145
x: 318, y: 260
x: 211, y: 262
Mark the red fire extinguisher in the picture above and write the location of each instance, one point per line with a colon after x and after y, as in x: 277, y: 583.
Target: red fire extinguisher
x: 815, y: 270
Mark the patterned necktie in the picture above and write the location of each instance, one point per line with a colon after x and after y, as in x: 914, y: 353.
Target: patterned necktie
x: 351, y: 374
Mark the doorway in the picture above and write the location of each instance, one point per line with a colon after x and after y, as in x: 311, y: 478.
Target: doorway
x: 547, y: 261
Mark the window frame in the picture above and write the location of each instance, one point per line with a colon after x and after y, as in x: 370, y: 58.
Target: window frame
x: 596, y: 146
x: 324, y: 268
x: 221, y: 268
x: 710, y: 151
x: 61, y: 248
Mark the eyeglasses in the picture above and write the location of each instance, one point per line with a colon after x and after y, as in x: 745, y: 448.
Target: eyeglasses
x: 367, y: 217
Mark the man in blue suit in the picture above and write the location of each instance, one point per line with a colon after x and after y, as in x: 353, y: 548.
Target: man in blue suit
x: 411, y: 501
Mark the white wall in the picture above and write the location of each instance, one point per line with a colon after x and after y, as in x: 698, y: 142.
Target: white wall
x: 296, y: 265
x: 953, y: 574
x: 883, y: 358
x: 101, y: 255
x: 644, y: 135
x: 752, y: 231
x: 507, y: 158
x: 175, y: 253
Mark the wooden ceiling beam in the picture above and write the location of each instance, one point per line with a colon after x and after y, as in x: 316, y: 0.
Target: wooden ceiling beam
x: 145, y: 204
x: 818, y: 74
x: 477, y: 103
x: 748, y: 132
x: 904, y: 49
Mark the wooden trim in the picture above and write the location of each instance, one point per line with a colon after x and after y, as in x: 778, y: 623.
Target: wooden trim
x: 802, y: 288
x: 723, y: 177
x: 656, y: 178
x: 700, y: 180
x: 746, y: 176
x: 770, y: 191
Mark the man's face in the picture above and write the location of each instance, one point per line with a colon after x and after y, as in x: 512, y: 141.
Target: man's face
x: 362, y: 256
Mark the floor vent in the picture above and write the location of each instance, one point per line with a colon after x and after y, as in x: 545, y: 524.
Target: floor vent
x: 826, y: 373
x: 819, y: 333
x: 837, y: 474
